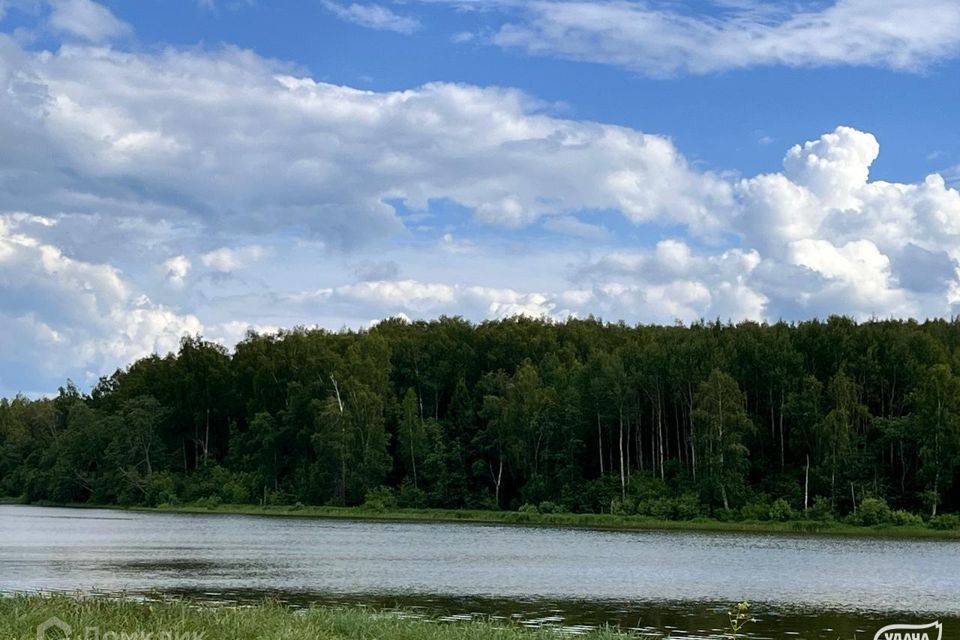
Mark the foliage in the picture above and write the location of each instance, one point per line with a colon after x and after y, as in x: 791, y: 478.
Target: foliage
x: 872, y: 512
x: 750, y: 421
x: 380, y: 499
x: 945, y: 522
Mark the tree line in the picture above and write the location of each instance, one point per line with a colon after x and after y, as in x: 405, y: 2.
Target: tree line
x: 747, y: 420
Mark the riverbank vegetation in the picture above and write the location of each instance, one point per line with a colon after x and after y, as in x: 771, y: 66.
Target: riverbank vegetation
x: 814, y: 423
x: 604, y: 521
x: 105, y: 619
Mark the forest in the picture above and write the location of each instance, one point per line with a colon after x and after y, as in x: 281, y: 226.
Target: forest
x: 820, y: 418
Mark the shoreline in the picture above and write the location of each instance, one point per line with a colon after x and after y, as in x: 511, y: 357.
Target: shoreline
x: 601, y: 522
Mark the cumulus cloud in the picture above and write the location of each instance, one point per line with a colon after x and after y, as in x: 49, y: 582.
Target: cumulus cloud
x: 196, y: 157
x: 233, y: 141
x: 660, y: 38
x: 177, y: 269
x: 59, y: 312
x: 423, y: 299
x: 372, y: 16
x: 86, y: 20
x: 227, y: 260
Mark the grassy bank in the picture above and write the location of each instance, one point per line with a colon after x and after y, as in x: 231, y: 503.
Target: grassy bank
x: 572, y: 520
x: 601, y: 521
x: 20, y: 617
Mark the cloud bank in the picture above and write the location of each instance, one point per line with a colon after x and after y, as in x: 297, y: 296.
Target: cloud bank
x: 660, y: 38
x: 144, y: 195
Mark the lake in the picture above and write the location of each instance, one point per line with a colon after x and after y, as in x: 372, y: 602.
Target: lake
x: 676, y: 583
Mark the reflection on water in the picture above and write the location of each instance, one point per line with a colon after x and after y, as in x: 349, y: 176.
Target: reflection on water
x: 669, y: 582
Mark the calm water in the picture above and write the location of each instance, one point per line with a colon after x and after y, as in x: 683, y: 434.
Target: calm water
x: 678, y: 583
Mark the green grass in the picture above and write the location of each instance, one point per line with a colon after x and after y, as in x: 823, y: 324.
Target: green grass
x: 563, y: 520
x: 570, y: 520
x: 111, y: 619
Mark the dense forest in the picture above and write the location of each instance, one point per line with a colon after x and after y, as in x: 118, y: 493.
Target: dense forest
x: 751, y: 421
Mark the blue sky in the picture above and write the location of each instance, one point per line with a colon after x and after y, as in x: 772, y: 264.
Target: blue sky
x: 175, y: 166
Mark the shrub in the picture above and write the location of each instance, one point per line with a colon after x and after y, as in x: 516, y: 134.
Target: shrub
x: 688, y: 507
x: 410, y: 496
x: 208, y: 502
x: 821, y: 509
x: 659, y: 508
x: 903, y: 518
x: 160, y: 488
x: 550, y: 507
x: 725, y: 515
x: 757, y: 510
x: 872, y: 512
x: 781, y: 510
x: 528, y: 508
x: 945, y: 522
x: 379, y: 499
x: 626, y: 507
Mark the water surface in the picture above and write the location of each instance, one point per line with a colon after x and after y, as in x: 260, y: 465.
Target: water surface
x: 675, y: 582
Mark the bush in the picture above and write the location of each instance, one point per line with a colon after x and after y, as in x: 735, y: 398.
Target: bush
x: 781, y: 510
x: 821, y: 510
x: 872, y: 512
x: 688, y: 507
x: 528, y: 508
x: 160, y: 488
x: 626, y: 507
x: 208, y: 502
x: 410, y: 496
x: 379, y: 499
x: 659, y: 508
x: 550, y: 507
x: 903, y: 518
x: 758, y: 509
x: 945, y: 522
x: 725, y: 515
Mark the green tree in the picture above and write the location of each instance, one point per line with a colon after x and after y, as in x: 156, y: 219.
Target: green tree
x: 720, y: 425
x: 936, y: 402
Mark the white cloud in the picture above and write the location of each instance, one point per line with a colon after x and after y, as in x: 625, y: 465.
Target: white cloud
x: 86, y: 20
x: 227, y: 260
x: 573, y: 226
x: 58, y: 313
x: 660, y: 38
x: 229, y: 140
x: 176, y: 270
x: 130, y: 170
x: 372, y: 16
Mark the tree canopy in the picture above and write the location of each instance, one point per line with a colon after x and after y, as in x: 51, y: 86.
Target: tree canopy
x: 582, y: 415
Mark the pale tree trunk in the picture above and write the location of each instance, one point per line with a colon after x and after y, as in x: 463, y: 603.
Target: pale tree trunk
x: 343, y: 444
x: 600, y: 442
x: 206, y: 439
x: 640, y: 435
x: 497, y: 478
x: 623, y: 478
x: 413, y: 459
x: 629, y: 432
x: 936, y: 494
x: 782, y: 445
x: 660, y: 431
x: 806, y: 485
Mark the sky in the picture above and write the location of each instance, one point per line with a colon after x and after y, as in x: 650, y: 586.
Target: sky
x: 184, y: 167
